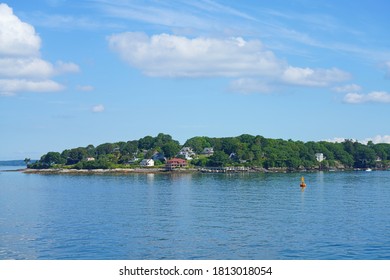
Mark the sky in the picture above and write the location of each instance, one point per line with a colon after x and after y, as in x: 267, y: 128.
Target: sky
x: 80, y: 72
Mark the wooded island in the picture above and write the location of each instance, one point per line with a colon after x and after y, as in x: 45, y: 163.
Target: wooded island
x: 246, y: 151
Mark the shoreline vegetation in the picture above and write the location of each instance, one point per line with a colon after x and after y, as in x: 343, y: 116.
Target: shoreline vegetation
x: 123, y: 171
x: 244, y: 153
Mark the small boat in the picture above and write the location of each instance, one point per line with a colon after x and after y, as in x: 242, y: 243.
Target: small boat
x: 302, y: 184
x: 368, y: 169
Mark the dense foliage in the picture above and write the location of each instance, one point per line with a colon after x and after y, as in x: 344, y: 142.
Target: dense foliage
x: 244, y: 150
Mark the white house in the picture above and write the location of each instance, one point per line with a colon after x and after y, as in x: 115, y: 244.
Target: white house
x: 187, y: 152
x: 147, y: 162
x: 320, y: 157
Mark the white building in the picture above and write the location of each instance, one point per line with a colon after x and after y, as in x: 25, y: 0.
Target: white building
x: 147, y: 162
x: 320, y: 157
x: 187, y: 152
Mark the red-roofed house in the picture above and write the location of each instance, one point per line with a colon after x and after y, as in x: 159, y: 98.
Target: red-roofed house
x: 175, y: 163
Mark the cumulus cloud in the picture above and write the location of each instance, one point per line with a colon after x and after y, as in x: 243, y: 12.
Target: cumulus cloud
x: 375, y: 96
x: 21, y: 67
x: 348, y: 88
x: 98, y: 108
x: 255, y: 68
x: 66, y: 67
x: 314, y: 77
x: 17, y: 38
x: 167, y: 55
x: 378, y: 139
x: 10, y: 86
x: 32, y: 67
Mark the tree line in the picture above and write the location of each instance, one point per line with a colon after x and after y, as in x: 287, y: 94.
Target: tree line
x: 244, y: 150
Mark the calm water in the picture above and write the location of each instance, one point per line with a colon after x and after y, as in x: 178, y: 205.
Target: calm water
x: 342, y: 215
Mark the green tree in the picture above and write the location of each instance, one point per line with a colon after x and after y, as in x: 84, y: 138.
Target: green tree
x: 130, y: 148
x: 201, y: 161
x: 198, y: 144
x: 218, y: 159
x: 146, y: 143
x: 106, y: 148
x: 51, y: 158
x: 27, y: 161
x: 76, y: 155
x: 91, y: 151
x: 230, y: 145
x: 161, y: 139
x: 170, y: 149
x: 364, y: 156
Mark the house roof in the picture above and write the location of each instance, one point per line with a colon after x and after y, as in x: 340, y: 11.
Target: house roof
x: 176, y: 160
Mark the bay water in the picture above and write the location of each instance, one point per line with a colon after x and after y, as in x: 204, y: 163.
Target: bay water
x: 339, y: 215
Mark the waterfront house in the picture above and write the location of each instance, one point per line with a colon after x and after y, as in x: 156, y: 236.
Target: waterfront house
x: 175, y: 163
x: 90, y: 158
x: 147, y: 162
x: 187, y: 153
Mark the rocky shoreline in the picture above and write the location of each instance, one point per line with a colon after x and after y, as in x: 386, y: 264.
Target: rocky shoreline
x: 179, y: 170
x: 102, y: 171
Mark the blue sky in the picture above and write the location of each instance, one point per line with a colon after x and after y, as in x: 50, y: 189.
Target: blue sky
x: 74, y: 73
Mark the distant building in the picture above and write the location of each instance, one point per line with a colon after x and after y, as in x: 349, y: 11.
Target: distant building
x: 158, y: 156
x: 147, y: 162
x: 233, y: 156
x: 187, y: 152
x: 175, y: 163
x: 133, y: 160
x: 90, y: 158
x: 208, y: 151
x: 320, y: 157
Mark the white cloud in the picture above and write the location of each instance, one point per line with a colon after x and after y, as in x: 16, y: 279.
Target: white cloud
x: 336, y: 140
x: 21, y: 67
x: 348, y: 88
x: 256, y: 68
x: 314, y: 77
x: 66, y: 67
x: 375, y: 96
x: 17, y: 38
x: 10, y: 86
x: 98, y: 108
x: 354, y: 98
x: 378, y: 139
x: 31, y: 67
x: 175, y: 56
